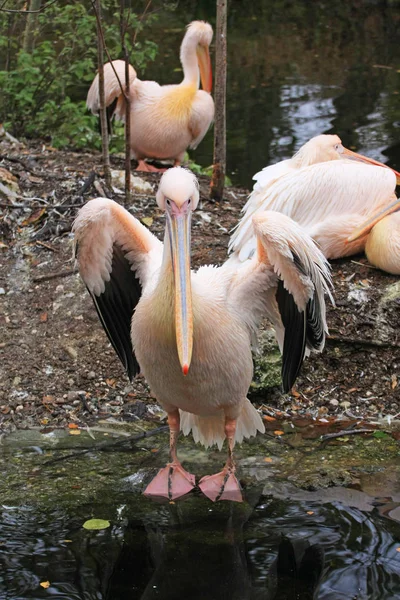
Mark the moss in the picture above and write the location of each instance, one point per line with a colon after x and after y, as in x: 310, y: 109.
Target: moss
x: 391, y: 293
x: 267, y: 364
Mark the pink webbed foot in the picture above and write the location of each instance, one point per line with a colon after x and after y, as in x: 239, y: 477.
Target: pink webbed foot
x: 221, y: 486
x: 144, y: 166
x: 171, y: 482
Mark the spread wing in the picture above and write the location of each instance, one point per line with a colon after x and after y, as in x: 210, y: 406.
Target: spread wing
x: 285, y: 281
x: 117, y: 256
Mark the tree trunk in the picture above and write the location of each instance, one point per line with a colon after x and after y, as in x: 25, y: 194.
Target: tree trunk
x: 127, y: 106
x: 31, y: 22
x: 102, y: 110
x: 219, y: 162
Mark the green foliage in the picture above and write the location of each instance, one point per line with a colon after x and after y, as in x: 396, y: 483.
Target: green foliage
x: 42, y: 89
x: 199, y: 170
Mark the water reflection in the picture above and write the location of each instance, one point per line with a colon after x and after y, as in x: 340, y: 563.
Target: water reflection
x: 297, y: 69
x: 269, y: 549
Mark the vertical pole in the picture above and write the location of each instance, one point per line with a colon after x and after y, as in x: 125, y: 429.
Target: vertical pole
x: 31, y: 23
x: 102, y: 110
x: 127, y: 106
x: 219, y: 162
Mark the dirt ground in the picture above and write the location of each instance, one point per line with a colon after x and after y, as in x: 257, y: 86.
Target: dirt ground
x: 57, y: 367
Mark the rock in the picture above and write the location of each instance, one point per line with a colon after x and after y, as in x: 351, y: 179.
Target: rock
x: 359, y: 296
x: 334, y: 402
x: 71, y: 351
x: 391, y: 293
x: 10, y: 181
x: 268, y: 363
x: 138, y: 184
x: 91, y: 375
x: 73, y: 395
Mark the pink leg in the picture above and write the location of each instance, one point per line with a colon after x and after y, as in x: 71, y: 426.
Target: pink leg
x: 144, y: 166
x: 224, y: 485
x: 172, y: 481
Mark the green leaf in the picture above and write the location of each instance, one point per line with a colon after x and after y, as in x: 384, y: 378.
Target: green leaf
x: 95, y: 524
x: 381, y: 435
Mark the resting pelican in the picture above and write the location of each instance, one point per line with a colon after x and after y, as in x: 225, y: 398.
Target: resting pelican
x: 165, y: 119
x: 324, y: 187
x: 383, y: 242
x: 192, y: 332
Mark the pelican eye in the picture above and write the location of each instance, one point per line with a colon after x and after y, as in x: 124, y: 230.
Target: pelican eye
x: 339, y: 148
x: 168, y: 201
x: 189, y: 201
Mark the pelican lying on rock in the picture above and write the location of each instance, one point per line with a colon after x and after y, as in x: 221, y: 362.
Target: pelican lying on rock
x: 192, y: 332
x: 326, y: 188
x: 165, y: 119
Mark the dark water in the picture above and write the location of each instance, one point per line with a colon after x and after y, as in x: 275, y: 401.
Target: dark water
x: 297, y: 69
x: 271, y: 549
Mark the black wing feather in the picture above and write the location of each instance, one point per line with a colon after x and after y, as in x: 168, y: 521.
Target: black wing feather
x: 115, y: 307
x: 315, y: 329
x: 294, y: 344
x: 302, y: 329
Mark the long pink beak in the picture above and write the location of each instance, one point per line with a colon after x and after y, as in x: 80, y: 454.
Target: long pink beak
x: 178, y: 222
x: 373, y: 220
x: 204, y: 60
x: 369, y: 161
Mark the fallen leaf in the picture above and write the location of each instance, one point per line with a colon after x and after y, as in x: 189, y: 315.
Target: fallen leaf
x: 73, y: 426
x: 279, y: 432
x: 268, y: 418
x: 148, y: 221
x: 94, y: 524
x: 75, y: 432
x: 310, y: 512
x: 268, y: 459
x: 43, y: 317
x: 34, y: 179
x: 34, y: 217
x: 394, y: 381
x: 111, y: 382
x: 48, y: 398
x: 45, y: 584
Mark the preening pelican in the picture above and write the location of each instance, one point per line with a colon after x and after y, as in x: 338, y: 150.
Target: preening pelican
x: 192, y: 332
x: 165, y: 119
x: 326, y: 188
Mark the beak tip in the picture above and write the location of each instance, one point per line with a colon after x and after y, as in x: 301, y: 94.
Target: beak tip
x: 185, y: 369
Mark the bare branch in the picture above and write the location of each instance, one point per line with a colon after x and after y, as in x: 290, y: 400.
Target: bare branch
x: 25, y: 12
x: 93, y: 2
x: 102, y: 108
x: 123, y: 28
x: 142, y: 16
x: 219, y: 161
